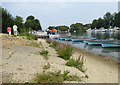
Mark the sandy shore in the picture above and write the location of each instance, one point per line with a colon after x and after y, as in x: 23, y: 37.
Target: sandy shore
x: 19, y: 60
x: 100, y: 69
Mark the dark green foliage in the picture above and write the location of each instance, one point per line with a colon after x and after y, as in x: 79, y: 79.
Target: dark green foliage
x: 117, y: 20
x: 30, y: 17
x: 7, y: 20
x: 107, y: 21
x: 78, y: 63
x: 32, y: 23
x: 61, y: 28
x: 55, y: 77
x: 65, y: 52
x: 51, y: 27
x: 19, y: 22
x: 77, y: 27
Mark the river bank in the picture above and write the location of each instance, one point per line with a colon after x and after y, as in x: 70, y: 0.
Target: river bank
x: 101, y: 69
x: 20, y: 58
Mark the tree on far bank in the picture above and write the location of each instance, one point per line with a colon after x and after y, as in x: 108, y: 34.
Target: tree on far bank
x: 117, y: 20
x: 78, y: 27
x: 32, y: 23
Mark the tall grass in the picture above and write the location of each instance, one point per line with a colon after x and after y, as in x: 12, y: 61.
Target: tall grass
x: 65, y: 52
x: 55, y: 77
x: 53, y: 44
x: 78, y: 63
x: 29, y: 36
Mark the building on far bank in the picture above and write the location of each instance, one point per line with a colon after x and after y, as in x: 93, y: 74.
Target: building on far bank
x: 119, y: 6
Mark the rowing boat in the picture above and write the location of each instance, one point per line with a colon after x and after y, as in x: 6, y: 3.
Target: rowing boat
x: 81, y: 39
x: 111, y: 44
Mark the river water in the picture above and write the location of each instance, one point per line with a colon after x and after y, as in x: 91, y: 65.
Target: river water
x: 110, y: 52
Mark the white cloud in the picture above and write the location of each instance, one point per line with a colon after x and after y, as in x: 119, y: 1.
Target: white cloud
x: 60, y: 0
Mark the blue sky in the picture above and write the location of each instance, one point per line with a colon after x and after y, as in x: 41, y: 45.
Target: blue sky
x: 61, y: 13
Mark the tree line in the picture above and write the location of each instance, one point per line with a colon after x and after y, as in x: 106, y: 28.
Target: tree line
x: 108, y: 21
x: 31, y: 23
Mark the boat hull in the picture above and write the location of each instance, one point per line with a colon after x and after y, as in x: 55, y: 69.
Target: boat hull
x: 94, y: 43
x: 110, y: 45
x: 67, y: 39
x: 81, y: 40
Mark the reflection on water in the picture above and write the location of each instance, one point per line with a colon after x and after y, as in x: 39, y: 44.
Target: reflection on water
x: 99, y: 35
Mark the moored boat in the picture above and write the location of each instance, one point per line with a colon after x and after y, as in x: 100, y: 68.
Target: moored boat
x: 81, y: 39
x: 96, y: 42
x: 67, y: 39
x: 111, y: 44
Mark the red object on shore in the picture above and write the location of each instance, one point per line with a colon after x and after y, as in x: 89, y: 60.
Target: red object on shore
x: 9, y: 29
x: 54, y: 30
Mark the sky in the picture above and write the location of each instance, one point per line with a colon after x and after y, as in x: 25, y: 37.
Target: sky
x: 56, y: 13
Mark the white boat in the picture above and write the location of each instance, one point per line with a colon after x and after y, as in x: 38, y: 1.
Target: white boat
x: 116, y: 28
x: 103, y: 30
x: 89, y: 30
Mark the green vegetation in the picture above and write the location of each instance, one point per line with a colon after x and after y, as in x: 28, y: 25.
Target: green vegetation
x: 31, y: 37
x: 6, y: 17
x: 61, y: 28
x: 44, y: 53
x: 78, y: 63
x: 46, y: 66
x: 53, y: 44
x: 30, y: 24
x: 48, y: 41
x: 55, y: 77
x: 33, y: 44
x: 65, y: 52
x: 78, y: 27
x: 107, y: 21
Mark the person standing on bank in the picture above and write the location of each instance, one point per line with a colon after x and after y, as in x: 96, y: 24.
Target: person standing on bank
x: 9, y: 29
x: 15, y: 29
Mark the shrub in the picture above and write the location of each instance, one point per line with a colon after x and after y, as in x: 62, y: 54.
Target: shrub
x: 46, y: 66
x: 65, y: 52
x: 53, y: 44
x: 49, y: 77
x: 78, y: 63
x: 48, y: 41
x: 44, y: 53
x: 30, y: 36
x: 55, y: 77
